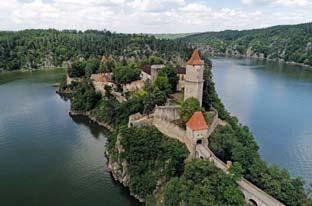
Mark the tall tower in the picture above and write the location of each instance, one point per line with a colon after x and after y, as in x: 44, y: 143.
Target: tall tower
x: 194, y: 81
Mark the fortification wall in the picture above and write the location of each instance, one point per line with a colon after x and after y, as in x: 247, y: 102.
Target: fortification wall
x: 174, y: 131
x: 168, y: 113
x: 214, y: 123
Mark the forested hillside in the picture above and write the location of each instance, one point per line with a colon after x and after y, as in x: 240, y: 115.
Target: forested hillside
x: 31, y: 49
x: 292, y: 43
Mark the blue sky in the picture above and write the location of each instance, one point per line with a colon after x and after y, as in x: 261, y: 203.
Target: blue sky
x: 152, y: 16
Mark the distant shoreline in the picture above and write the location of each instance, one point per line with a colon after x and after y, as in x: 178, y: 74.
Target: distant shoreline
x: 305, y: 66
x: 31, y: 70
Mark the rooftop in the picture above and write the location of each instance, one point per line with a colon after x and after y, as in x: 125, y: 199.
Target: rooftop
x: 195, y: 59
x: 197, y: 122
x: 146, y: 68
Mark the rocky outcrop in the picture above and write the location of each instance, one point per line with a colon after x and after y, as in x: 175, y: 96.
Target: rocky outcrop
x: 92, y: 118
x: 118, y: 167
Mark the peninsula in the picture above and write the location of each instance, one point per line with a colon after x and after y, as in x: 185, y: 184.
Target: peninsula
x: 172, y: 141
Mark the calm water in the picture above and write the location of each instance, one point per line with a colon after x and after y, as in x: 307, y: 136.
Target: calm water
x: 46, y: 157
x: 275, y: 101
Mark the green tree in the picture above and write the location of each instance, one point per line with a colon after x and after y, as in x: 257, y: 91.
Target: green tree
x: 126, y: 73
x: 236, y: 171
x: 202, y: 184
x: 172, y: 76
x: 162, y: 83
x: 153, y: 97
x: 188, y: 108
x: 84, y: 97
x: 92, y: 66
x: 77, y: 69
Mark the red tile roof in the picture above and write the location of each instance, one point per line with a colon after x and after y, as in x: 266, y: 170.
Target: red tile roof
x: 195, y: 59
x: 197, y: 122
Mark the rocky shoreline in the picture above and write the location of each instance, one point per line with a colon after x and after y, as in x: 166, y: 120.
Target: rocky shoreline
x: 92, y: 118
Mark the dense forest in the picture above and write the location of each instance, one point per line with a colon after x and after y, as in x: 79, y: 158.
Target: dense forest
x: 291, y: 43
x: 31, y: 49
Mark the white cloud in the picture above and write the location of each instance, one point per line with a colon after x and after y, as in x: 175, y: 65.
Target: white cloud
x: 159, y: 5
x: 292, y: 2
x: 147, y: 16
x: 247, y: 1
x: 286, y: 3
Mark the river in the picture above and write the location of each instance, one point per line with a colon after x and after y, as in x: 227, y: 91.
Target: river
x: 46, y: 157
x: 275, y: 101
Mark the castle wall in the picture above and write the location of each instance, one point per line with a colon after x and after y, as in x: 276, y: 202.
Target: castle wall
x: 174, y: 131
x: 169, y: 113
x: 214, y: 123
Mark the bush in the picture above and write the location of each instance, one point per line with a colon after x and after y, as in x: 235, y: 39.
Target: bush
x: 150, y: 156
x: 188, y: 108
x: 125, y: 73
x: 77, y: 69
x: 202, y: 184
x: 84, y: 98
x: 92, y: 66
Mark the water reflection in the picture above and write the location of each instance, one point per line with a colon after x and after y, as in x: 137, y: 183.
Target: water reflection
x: 93, y: 128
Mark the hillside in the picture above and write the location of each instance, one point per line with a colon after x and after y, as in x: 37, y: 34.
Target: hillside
x: 291, y: 43
x: 31, y: 49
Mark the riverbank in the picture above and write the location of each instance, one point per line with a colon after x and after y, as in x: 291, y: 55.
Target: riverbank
x: 32, y: 70
x: 92, y: 118
x: 279, y: 61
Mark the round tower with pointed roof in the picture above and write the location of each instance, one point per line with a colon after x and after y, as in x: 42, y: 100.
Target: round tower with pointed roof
x: 194, y: 81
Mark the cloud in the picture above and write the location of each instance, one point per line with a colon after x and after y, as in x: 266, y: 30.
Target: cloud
x: 147, y: 16
x: 286, y: 3
x: 292, y: 2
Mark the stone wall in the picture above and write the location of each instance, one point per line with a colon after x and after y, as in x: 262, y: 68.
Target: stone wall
x: 169, y: 113
x: 214, y: 123
x: 174, y: 131
x: 137, y: 120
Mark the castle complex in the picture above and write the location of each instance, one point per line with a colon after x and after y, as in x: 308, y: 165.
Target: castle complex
x: 194, y: 81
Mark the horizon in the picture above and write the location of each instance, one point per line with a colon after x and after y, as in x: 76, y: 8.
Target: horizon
x: 186, y: 33
x: 152, y: 17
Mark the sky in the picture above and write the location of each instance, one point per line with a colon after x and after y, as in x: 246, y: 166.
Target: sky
x: 152, y: 16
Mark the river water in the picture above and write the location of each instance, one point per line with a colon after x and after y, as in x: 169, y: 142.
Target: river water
x: 275, y: 101
x: 46, y: 157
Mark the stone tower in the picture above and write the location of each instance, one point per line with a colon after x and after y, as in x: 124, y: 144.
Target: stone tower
x: 194, y: 81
